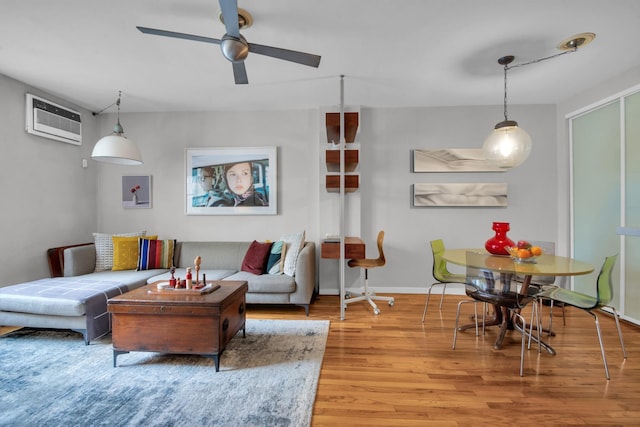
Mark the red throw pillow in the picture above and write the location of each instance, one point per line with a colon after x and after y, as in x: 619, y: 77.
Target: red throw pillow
x: 255, y: 260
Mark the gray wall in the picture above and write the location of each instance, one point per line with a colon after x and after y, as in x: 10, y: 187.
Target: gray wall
x: 163, y: 138
x: 51, y: 200
x: 386, y: 139
x: 48, y: 199
x: 387, y: 181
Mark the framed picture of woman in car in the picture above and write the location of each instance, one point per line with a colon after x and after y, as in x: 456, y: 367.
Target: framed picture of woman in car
x: 231, y: 181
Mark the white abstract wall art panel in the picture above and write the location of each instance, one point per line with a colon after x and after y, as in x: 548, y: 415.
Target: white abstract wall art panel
x: 452, y: 160
x: 460, y: 194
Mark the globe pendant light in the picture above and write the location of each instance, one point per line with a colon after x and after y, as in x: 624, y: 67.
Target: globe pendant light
x: 508, y: 145
x: 116, y: 148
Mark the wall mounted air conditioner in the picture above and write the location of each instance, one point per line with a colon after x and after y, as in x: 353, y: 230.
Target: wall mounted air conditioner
x: 50, y: 120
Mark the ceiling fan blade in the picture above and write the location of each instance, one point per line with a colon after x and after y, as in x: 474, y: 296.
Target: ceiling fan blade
x: 287, y: 55
x: 240, y: 73
x: 175, y: 35
x: 230, y: 16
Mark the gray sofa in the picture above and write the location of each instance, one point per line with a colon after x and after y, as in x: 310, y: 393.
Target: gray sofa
x: 38, y: 304
x: 223, y: 260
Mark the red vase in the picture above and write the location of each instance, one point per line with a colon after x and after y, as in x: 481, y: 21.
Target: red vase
x: 496, y: 244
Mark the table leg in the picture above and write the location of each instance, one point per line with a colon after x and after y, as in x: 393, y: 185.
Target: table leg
x: 506, y: 323
x: 503, y: 318
x: 507, y: 318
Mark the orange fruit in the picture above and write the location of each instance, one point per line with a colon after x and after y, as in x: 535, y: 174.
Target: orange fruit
x: 523, y: 253
x: 536, y: 250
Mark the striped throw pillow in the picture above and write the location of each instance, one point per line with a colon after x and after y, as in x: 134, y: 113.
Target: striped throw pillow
x: 125, y: 252
x: 155, y: 254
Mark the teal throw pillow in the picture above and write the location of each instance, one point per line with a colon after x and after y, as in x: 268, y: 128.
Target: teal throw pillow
x: 275, y: 263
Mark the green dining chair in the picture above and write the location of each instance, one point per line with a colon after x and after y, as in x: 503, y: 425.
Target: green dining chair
x: 441, y: 274
x: 588, y: 303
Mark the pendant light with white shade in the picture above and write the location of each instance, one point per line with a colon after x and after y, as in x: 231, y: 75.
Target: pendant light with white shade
x: 116, y: 148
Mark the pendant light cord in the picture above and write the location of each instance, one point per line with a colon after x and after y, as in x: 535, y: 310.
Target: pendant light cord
x: 505, y: 92
x: 118, y: 104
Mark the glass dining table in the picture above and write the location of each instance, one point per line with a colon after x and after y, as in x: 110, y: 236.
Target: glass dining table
x: 544, y: 265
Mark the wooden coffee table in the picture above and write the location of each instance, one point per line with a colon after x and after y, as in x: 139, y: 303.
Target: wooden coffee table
x: 178, y: 323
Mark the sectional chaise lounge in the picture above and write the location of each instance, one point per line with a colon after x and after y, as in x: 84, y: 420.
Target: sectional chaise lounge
x: 78, y: 299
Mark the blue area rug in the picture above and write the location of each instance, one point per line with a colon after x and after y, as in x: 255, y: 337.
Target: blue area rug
x: 269, y: 378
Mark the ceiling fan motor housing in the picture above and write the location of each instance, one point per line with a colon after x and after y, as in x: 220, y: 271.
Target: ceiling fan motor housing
x: 235, y: 49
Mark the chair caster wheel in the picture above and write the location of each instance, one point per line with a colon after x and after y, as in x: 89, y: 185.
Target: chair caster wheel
x: 390, y: 303
x: 376, y: 311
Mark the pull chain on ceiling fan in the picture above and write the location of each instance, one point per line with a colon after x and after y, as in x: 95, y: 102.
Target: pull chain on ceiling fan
x: 234, y: 46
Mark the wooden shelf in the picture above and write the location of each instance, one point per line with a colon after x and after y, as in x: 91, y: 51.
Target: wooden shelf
x: 351, y: 183
x: 333, y: 127
x: 354, y: 248
x: 351, y: 158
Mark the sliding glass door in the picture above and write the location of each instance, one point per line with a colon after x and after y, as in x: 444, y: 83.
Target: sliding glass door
x: 605, y: 144
x: 632, y: 206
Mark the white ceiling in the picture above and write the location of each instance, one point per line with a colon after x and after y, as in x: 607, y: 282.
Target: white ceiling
x: 398, y: 53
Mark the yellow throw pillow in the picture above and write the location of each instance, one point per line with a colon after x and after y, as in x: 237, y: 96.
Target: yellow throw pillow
x: 125, y: 252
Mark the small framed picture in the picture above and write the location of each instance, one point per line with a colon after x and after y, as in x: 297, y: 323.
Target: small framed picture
x: 136, y: 191
x: 231, y: 181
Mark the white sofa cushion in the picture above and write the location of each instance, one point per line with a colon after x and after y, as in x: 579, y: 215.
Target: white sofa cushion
x: 294, y: 243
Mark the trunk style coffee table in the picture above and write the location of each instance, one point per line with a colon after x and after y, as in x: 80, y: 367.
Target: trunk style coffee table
x: 177, y: 321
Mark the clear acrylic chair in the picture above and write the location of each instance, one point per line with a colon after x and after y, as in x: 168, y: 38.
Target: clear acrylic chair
x: 545, y: 282
x: 491, y: 280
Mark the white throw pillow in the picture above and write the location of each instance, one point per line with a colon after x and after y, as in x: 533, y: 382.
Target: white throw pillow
x: 104, y: 248
x: 294, y: 243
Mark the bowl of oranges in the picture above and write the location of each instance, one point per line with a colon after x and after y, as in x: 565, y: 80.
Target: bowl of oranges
x: 524, y: 252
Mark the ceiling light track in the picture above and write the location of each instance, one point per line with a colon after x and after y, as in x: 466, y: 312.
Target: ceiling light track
x: 569, y: 45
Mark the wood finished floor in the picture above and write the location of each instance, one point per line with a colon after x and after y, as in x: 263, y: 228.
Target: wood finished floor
x: 392, y: 370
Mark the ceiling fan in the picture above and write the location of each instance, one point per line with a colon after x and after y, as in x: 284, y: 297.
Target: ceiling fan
x: 234, y: 46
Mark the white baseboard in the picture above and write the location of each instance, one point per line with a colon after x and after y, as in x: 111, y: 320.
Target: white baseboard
x: 452, y: 289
